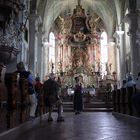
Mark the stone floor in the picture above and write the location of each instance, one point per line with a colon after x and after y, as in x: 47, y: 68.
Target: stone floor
x: 86, y: 126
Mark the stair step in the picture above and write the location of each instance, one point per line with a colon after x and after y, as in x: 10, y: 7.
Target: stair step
x: 89, y: 105
x: 88, y: 109
x: 92, y: 106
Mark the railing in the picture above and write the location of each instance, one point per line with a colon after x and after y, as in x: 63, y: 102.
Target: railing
x: 122, y: 101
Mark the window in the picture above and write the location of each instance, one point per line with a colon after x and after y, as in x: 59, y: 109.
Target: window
x: 104, y: 52
x: 52, y: 51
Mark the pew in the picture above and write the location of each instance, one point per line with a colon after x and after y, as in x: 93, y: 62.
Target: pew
x: 12, y: 92
x: 128, y: 98
x: 122, y: 101
x: 14, y: 95
x: 24, y: 99
x: 114, y: 92
x: 118, y: 100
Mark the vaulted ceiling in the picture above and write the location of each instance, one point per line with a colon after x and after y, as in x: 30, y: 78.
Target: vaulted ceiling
x: 110, y: 11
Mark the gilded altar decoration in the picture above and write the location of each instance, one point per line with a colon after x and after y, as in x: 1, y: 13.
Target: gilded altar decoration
x: 80, y: 29
x: 80, y: 21
x: 79, y: 48
x: 79, y: 37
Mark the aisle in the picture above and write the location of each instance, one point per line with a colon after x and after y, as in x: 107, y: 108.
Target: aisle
x: 86, y: 126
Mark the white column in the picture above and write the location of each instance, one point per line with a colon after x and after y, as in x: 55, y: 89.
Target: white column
x: 132, y: 19
x: 40, y: 56
x: 121, y: 67
x: 32, y: 42
x: 122, y: 57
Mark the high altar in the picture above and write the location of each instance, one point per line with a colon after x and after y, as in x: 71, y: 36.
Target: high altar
x: 79, y: 54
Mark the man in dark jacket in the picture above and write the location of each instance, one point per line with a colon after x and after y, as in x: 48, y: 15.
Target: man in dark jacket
x: 51, y: 91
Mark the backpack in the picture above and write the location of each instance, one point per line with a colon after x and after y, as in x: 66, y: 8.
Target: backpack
x: 50, y: 87
x: 25, y: 75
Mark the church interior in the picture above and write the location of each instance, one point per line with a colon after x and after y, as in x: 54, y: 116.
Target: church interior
x: 95, y: 40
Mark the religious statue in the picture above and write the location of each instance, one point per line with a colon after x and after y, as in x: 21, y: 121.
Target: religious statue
x: 108, y: 68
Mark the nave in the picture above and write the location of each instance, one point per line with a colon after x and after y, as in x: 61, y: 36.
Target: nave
x: 97, y: 41
x: 86, y: 126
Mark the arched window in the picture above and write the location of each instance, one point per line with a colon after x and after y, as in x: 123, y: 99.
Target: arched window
x: 52, y: 52
x: 104, y: 51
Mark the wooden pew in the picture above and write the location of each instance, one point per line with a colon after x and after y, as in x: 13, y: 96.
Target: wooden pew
x: 12, y: 91
x: 24, y: 99
x: 114, y: 95
x: 118, y: 100
x: 130, y: 91
x: 123, y: 100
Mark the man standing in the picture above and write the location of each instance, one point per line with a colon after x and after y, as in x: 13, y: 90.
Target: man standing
x: 51, y: 90
x: 78, y: 97
x: 31, y: 89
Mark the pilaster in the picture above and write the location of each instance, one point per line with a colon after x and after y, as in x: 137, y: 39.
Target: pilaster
x: 133, y: 19
x: 40, y: 56
x: 120, y: 55
x: 122, y: 58
x: 33, y: 42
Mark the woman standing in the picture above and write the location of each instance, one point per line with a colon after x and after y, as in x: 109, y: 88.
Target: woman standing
x: 78, y: 100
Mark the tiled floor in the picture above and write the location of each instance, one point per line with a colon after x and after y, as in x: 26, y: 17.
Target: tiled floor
x: 86, y: 126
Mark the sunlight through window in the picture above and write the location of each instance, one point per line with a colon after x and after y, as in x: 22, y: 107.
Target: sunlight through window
x: 52, y: 51
x: 104, y: 52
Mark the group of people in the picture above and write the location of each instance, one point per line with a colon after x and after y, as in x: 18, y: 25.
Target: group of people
x: 51, y: 90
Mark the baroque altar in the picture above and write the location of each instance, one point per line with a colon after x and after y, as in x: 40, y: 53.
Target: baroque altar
x: 79, y: 50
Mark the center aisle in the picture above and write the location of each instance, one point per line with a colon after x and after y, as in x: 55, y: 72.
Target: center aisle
x: 86, y: 126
